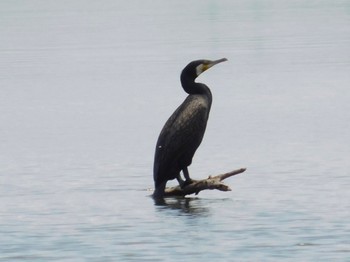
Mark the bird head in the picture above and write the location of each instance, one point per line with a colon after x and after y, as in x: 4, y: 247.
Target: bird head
x: 195, y: 68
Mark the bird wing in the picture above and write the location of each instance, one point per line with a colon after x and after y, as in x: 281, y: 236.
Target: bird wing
x: 181, y: 136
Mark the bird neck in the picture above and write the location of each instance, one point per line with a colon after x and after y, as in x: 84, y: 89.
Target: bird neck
x: 193, y: 88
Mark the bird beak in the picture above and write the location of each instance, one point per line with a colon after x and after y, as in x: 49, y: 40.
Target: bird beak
x: 215, y: 62
x: 219, y: 61
x: 208, y: 64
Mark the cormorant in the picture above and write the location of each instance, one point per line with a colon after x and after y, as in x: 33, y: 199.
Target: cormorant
x: 184, y: 130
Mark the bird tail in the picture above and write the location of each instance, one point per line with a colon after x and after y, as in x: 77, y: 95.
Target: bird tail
x: 159, y: 191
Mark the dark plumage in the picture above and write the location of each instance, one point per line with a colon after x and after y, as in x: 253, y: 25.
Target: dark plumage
x: 184, y: 130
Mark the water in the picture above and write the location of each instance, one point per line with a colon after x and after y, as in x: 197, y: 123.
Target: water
x: 86, y: 87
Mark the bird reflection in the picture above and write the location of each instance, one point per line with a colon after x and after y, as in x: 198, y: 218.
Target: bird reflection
x: 186, y: 205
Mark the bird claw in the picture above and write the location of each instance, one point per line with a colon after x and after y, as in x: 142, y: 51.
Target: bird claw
x: 186, y: 183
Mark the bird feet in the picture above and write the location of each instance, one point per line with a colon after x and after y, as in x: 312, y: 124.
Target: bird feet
x: 186, y: 183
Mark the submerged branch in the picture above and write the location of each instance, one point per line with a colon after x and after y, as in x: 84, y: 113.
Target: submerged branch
x: 212, y: 182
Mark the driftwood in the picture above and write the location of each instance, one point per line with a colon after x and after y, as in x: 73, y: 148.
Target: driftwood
x: 212, y: 182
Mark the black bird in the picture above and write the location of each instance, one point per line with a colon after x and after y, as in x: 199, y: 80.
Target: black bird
x: 184, y: 130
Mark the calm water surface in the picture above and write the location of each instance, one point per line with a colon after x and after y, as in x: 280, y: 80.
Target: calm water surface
x: 86, y: 86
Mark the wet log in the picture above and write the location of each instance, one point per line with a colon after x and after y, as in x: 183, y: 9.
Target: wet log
x: 212, y: 182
